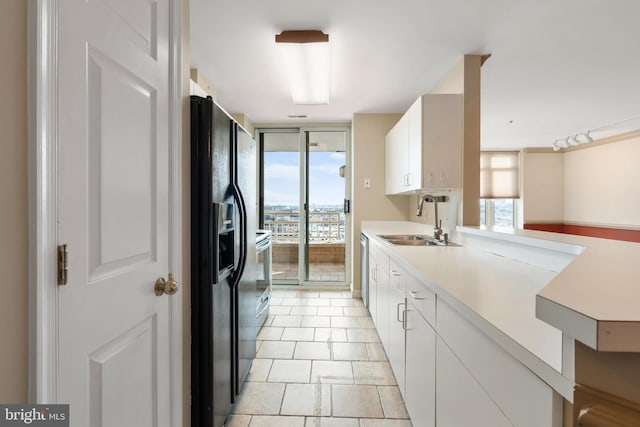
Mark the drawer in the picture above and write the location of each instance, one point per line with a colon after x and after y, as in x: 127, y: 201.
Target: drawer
x: 422, y: 298
x: 379, y: 255
x: 398, y: 276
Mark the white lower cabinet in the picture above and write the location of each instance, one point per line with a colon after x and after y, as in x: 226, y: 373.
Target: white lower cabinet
x: 460, y: 400
x: 450, y: 372
x: 396, y: 348
x: 373, y: 291
x: 420, y: 383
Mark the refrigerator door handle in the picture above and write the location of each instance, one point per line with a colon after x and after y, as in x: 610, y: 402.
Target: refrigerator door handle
x: 242, y: 261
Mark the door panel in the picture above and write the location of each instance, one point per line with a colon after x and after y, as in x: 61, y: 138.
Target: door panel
x: 115, y: 400
x: 113, y: 346
x: 121, y: 142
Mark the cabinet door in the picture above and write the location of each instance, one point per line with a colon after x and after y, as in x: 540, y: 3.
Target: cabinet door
x: 396, y: 351
x: 382, y: 312
x: 420, y: 384
x: 373, y: 290
x: 395, y: 148
x: 460, y: 401
x: 414, y: 146
x: 441, y: 123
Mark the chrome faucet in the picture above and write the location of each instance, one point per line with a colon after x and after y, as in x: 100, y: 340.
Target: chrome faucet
x: 437, y: 229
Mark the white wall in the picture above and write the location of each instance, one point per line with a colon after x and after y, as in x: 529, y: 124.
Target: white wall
x: 13, y: 193
x: 602, y: 184
x: 368, y: 132
x: 596, y: 184
x: 542, y: 186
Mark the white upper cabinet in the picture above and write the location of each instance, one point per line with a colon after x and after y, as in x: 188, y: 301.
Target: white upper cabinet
x: 423, y: 151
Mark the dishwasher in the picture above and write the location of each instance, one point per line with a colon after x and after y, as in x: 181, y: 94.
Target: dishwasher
x: 364, y: 269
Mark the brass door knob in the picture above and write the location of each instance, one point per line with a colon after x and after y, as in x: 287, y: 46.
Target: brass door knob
x: 168, y: 287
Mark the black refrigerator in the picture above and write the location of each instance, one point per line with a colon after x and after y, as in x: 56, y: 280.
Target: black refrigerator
x: 223, y: 261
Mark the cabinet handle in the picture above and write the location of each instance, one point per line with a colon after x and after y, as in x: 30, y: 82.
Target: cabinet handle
x: 395, y: 273
x: 398, y: 312
x: 404, y: 319
x: 413, y: 295
x: 409, y: 179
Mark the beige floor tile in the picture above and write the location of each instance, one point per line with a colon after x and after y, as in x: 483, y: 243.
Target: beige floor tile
x: 343, y: 302
x: 270, y: 333
x: 294, y: 301
x: 392, y: 403
x: 280, y: 309
x: 331, y: 294
x: 290, y: 371
x: 385, y: 423
x: 319, y: 302
x: 330, y: 311
x: 276, y: 350
x: 298, y: 334
x: 308, y: 294
x: 331, y: 372
x: 312, y: 351
x: 356, y: 311
x: 275, y: 300
x: 331, y: 422
x: 356, y: 401
x: 271, y: 421
x: 259, y: 370
x: 287, y: 321
x: 349, y: 351
x: 238, y: 420
x: 376, y: 352
x: 330, y: 335
x: 362, y: 335
x: 347, y: 322
x: 316, y: 322
x: 307, y: 399
x: 374, y: 373
x: 304, y: 310
x: 260, y: 399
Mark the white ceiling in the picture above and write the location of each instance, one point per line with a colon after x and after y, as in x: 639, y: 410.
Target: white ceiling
x: 558, y: 67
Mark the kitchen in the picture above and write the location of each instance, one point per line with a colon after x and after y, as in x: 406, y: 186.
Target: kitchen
x: 370, y: 127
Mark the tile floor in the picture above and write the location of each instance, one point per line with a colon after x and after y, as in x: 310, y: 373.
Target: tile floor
x: 319, y: 364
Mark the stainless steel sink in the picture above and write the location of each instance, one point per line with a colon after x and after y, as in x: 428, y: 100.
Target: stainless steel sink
x: 410, y: 237
x: 414, y: 240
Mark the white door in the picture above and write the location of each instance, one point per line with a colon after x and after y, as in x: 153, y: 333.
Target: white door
x: 113, y: 110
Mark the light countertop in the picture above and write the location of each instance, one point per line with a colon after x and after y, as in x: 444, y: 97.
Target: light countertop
x: 565, y: 280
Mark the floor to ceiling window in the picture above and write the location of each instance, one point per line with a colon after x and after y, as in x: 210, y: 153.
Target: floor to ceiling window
x: 303, y: 192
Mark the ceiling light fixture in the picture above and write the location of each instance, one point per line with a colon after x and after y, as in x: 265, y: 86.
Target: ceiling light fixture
x: 306, y: 60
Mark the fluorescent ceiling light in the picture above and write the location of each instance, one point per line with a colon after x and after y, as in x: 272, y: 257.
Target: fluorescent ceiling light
x: 306, y: 61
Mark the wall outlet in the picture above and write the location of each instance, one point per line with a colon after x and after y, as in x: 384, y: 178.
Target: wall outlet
x: 367, y: 183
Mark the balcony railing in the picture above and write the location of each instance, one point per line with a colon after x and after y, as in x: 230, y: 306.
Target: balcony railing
x: 324, y: 226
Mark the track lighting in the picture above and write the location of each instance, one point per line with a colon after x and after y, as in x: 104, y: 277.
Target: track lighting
x: 585, y: 137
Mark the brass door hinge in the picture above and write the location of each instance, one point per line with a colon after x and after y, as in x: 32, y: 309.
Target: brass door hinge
x: 63, y: 264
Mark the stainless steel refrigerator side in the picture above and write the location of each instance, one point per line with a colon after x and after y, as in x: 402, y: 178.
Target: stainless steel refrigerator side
x: 245, y: 292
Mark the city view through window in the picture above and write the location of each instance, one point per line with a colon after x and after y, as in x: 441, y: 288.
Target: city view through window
x: 325, y: 250
x: 326, y: 195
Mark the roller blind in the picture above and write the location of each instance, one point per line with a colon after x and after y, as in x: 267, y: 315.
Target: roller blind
x: 500, y: 175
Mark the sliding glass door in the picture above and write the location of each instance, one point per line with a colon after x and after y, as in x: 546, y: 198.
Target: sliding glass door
x: 303, y: 196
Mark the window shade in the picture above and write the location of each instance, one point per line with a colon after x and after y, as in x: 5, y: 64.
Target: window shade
x: 500, y: 175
